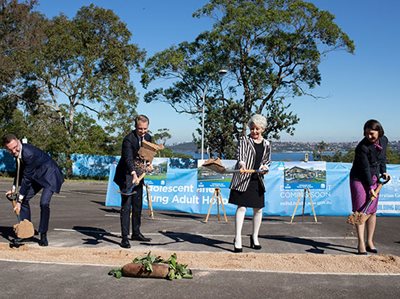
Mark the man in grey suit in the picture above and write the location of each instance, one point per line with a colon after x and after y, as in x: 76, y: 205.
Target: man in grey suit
x: 128, y: 169
x: 37, y: 171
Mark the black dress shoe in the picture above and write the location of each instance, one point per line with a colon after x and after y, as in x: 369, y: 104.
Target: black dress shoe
x: 17, y: 241
x: 140, y: 237
x: 362, y: 253
x: 254, y: 246
x: 372, y: 250
x: 125, y: 243
x: 43, y: 240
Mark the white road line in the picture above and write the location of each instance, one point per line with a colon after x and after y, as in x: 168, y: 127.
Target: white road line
x: 210, y: 269
x: 86, y: 193
x: 214, y: 220
x: 55, y: 263
x: 202, y: 235
x: 157, y: 219
x: 298, y: 272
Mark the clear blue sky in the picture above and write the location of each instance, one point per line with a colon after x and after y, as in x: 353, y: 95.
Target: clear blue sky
x: 355, y: 87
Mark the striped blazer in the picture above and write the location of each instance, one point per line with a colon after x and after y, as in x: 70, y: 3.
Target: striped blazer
x: 246, y: 152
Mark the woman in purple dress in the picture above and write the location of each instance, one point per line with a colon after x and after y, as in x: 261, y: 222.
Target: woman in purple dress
x: 368, y: 165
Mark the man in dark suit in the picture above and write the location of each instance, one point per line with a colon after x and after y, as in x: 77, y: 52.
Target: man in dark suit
x: 128, y: 169
x: 37, y: 171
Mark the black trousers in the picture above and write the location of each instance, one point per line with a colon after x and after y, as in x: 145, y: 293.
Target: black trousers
x: 45, y: 198
x: 132, y: 202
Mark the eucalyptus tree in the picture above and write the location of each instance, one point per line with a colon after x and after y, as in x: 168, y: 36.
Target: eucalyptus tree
x: 21, y: 32
x: 272, y: 49
x: 162, y: 135
x: 84, y: 67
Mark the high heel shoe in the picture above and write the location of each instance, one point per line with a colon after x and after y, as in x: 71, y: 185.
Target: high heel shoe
x: 359, y: 252
x: 254, y: 246
x: 372, y: 250
x: 235, y: 249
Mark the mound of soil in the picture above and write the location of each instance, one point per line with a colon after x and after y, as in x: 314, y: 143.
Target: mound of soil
x: 307, y: 263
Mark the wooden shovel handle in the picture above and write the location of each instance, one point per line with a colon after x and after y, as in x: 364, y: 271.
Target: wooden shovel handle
x: 252, y: 171
x: 14, y: 203
x: 377, y: 190
x: 380, y: 185
x: 247, y: 170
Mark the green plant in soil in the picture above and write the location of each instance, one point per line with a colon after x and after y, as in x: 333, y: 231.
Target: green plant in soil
x: 176, y: 270
x: 148, y: 261
x: 117, y: 273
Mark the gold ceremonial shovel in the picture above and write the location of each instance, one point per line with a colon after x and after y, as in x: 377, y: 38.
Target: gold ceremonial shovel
x: 216, y: 165
x: 23, y: 229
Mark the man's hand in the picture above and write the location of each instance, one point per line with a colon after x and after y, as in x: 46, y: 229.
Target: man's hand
x: 135, y: 179
x: 11, y: 195
x: 149, y: 167
x: 9, y: 192
x: 17, y: 208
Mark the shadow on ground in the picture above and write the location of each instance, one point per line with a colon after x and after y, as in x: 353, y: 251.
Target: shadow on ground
x: 96, y: 235
x: 316, y: 246
x: 179, y: 237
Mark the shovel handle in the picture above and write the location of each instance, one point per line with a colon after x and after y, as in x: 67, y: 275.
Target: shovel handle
x: 252, y: 171
x: 247, y: 170
x: 14, y: 203
x: 382, y: 182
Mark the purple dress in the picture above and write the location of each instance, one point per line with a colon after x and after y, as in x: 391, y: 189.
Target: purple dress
x: 360, y: 196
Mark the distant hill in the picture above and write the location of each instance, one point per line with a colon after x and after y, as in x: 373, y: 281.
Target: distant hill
x: 185, y: 146
x: 287, y: 146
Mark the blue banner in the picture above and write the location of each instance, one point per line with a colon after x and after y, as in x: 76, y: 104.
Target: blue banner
x: 331, y: 200
x: 180, y: 185
x: 186, y: 191
x: 7, y: 162
x: 389, y: 198
x: 91, y: 165
x: 207, y: 178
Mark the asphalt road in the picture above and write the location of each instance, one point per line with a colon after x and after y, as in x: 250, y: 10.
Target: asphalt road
x: 79, y: 218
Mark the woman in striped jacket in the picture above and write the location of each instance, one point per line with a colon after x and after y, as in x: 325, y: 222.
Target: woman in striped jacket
x: 247, y: 189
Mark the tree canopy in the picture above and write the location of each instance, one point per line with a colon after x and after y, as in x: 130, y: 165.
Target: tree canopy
x: 67, y: 79
x: 84, y: 67
x: 272, y: 49
x: 21, y: 32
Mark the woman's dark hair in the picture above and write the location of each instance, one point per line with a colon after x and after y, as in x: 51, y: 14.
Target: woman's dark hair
x: 375, y: 125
